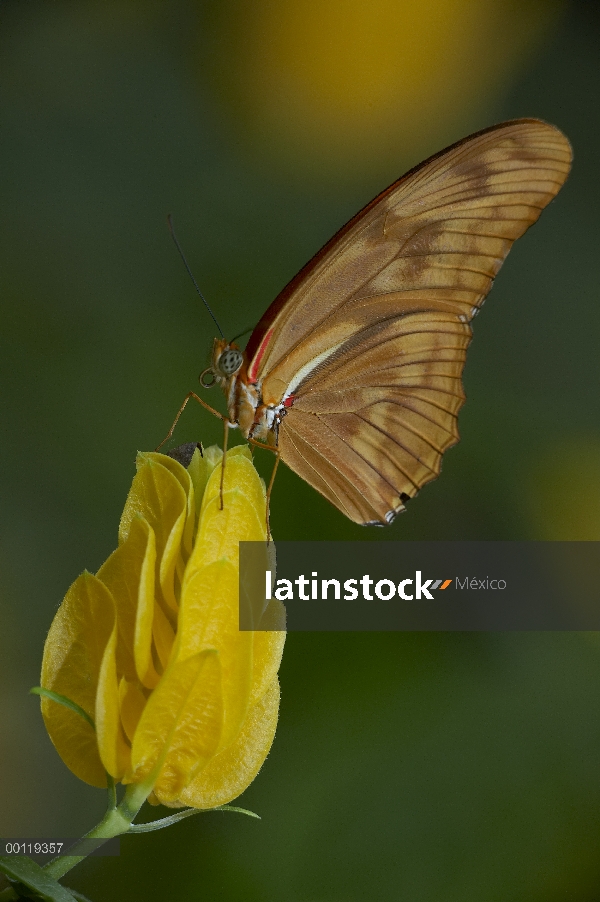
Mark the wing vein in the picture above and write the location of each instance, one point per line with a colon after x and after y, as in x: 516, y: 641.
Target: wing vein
x: 400, y: 445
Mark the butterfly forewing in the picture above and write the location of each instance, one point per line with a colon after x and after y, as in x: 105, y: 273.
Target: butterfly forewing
x: 370, y: 337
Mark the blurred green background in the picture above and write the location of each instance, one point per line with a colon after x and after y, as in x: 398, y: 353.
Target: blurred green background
x: 406, y: 766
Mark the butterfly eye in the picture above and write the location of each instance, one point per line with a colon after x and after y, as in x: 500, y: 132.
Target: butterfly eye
x: 230, y: 361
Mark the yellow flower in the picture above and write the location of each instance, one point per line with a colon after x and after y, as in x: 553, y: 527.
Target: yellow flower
x: 183, y: 702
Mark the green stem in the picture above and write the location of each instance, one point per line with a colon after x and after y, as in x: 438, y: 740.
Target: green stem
x: 112, y: 793
x: 115, y: 822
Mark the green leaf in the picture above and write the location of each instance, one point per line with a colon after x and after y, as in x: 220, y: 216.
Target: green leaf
x: 187, y: 812
x: 238, y: 810
x: 31, y: 875
x: 63, y: 700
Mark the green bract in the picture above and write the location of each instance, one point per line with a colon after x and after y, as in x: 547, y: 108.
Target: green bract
x: 150, y: 649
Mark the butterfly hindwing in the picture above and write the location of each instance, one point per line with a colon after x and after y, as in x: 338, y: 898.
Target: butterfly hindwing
x: 383, y: 415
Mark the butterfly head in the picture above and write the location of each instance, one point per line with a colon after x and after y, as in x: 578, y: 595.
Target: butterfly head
x: 226, y: 361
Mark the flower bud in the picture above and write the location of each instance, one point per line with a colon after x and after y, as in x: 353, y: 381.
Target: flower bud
x: 150, y: 647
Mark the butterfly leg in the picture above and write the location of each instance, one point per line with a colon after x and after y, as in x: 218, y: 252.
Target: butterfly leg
x: 269, y: 490
x: 225, y: 438
x: 180, y: 411
x: 277, y: 454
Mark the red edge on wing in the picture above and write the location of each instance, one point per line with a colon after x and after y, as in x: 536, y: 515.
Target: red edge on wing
x: 253, y: 370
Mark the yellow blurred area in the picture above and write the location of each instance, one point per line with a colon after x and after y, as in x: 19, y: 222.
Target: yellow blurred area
x: 564, y: 494
x: 337, y: 81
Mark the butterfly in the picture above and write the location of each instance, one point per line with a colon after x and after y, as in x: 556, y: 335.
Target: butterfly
x: 353, y: 374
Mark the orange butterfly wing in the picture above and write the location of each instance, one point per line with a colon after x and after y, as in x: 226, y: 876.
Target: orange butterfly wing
x: 370, y: 337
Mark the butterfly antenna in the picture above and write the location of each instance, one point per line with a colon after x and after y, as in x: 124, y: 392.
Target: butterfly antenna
x: 239, y: 335
x: 190, y: 273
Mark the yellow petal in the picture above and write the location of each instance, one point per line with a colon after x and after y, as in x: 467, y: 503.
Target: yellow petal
x: 71, y: 666
x: 240, y: 476
x: 121, y: 574
x: 202, y: 465
x: 129, y: 573
x: 180, y: 727
x: 239, y: 450
x: 157, y: 496
x: 183, y: 477
x: 231, y: 771
x: 163, y: 637
x: 132, y: 702
x: 267, y: 653
x: 243, y: 517
x: 209, y: 618
x: 200, y: 468
x: 113, y: 748
x: 147, y: 608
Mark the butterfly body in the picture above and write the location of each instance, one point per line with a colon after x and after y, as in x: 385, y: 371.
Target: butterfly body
x: 354, y: 372
x: 245, y: 407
